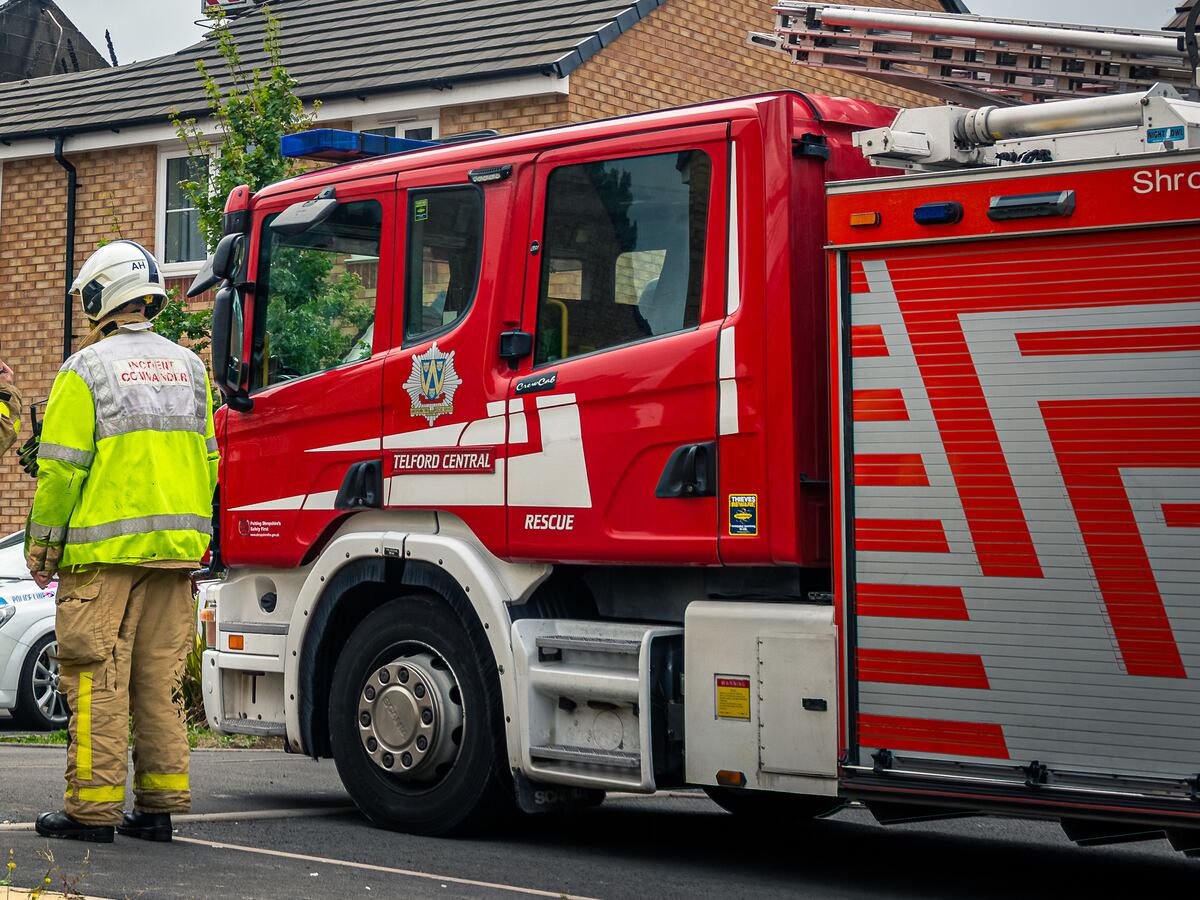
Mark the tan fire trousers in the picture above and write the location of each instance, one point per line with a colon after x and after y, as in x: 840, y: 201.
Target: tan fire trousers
x: 123, y: 633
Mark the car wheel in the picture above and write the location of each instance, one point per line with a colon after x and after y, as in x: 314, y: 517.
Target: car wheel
x: 41, y: 706
x: 416, y: 720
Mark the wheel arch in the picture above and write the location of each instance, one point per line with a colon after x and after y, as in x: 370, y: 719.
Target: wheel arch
x: 369, y: 571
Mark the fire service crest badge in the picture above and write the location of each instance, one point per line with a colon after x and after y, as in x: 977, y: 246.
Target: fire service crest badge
x: 432, y: 384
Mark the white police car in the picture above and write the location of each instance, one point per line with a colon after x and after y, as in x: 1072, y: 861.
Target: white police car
x: 28, y: 669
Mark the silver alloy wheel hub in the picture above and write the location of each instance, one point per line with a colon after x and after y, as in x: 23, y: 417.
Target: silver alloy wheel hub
x: 46, y: 691
x: 410, y: 715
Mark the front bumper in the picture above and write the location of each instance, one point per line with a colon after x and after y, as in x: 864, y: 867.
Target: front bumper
x: 242, y: 695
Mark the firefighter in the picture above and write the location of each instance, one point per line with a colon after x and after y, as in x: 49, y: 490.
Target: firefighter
x: 10, y: 409
x: 127, y: 466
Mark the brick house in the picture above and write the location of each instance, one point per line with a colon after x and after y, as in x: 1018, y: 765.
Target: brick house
x: 427, y: 70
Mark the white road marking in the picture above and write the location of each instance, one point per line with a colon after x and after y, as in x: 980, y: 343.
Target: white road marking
x: 386, y: 870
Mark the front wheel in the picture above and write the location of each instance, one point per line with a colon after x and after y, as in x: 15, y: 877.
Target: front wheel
x: 41, y: 706
x: 416, y: 720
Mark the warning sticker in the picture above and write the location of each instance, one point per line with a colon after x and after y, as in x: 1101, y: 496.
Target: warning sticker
x: 733, y: 697
x: 421, y: 210
x: 743, y: 515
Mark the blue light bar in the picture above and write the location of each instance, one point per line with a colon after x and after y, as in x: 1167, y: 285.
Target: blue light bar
x: 335, y: 145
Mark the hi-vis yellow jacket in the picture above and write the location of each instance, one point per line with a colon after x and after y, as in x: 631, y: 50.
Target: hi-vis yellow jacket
x: 128, y: 458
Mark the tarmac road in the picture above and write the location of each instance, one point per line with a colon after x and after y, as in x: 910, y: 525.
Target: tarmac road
x: 272, y: 825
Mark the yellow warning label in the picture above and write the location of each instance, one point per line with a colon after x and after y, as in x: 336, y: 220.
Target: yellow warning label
x: 733, y: 697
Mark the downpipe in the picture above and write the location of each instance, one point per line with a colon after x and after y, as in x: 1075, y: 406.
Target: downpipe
x: 69, y: 263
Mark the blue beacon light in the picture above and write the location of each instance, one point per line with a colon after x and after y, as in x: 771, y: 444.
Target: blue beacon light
x: 336, y: 145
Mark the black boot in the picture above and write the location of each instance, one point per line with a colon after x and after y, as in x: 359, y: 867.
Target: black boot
x: 147, y: 826
x: 60, y: 825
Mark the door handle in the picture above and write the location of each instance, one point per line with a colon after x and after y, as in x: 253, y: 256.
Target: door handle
x: 690, y: 472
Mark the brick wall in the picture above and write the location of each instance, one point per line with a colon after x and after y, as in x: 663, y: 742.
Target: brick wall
x: 506, y: 116
x: 115, y: 199
x: 686, y: 51
x: 689, y: 51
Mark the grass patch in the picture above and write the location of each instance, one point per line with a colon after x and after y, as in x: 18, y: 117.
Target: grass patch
x: 203, y: 739
x: 198, y: 739
x: 45, y: 737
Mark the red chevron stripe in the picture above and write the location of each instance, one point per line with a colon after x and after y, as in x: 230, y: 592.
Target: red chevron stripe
x: 932, y: 736
x: 957, y: 670
x: 906, y: 601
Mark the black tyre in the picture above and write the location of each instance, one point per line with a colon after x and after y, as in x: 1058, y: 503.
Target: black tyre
x: 416, y: 720
x: 767, y: 804
x: 40, y: 704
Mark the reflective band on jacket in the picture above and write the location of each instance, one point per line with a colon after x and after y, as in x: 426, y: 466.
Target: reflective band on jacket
x: 66, y: 454
x: 140, y: 525
x: 211, y: 445
x: 127, y: 424
x: 83, y: 729
x: 162, y: 782
x: 50, y: 534
x: 107, y: 793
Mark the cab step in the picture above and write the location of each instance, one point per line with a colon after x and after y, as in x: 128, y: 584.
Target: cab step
x: 590, y: 644
x: 594, y: 696
x: 617, y: 759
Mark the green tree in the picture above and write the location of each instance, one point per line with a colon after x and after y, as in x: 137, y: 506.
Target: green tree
x: 314, y: 313
x: 253, y: 111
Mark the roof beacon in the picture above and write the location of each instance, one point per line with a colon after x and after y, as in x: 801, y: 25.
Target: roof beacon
x: 334, y: 145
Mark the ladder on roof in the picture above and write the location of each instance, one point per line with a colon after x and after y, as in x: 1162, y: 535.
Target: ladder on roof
x: 972, y: 59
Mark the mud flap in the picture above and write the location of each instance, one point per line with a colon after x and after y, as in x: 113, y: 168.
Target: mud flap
x: 535, y: 797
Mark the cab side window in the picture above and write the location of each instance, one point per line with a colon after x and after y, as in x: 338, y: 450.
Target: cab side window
x: 624, y: 252
x: 320, y: 288
x: 445, y: 235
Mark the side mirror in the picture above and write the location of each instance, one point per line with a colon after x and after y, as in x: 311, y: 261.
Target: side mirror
x: 301, y: 217
x: 228, y: 339
x: 226, y: 262
x: 227, y: 259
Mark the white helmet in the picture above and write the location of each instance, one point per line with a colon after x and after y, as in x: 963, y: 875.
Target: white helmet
x: 116, y: 274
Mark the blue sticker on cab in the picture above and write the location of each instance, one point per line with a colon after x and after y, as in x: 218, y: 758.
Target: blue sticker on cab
x: 743, y: 515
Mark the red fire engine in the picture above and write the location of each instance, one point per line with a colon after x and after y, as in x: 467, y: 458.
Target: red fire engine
x: 628, y: 456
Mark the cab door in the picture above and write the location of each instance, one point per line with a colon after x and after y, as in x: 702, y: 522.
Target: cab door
x: 444, y: 384
x: 321, y: 312
x: 613, y: 417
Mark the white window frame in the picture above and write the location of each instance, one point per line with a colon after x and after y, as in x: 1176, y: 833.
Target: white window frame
x: 169, y: 270
x: 402, y: 122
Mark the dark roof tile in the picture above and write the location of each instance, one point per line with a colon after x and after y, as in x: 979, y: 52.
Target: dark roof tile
x: 334, y: 49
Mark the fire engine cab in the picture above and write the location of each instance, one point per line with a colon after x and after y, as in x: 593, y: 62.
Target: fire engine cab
x: 693, y: 448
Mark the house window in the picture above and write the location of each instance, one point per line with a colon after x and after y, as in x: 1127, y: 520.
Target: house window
x: 181, y: 240
x: 414, y: 131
